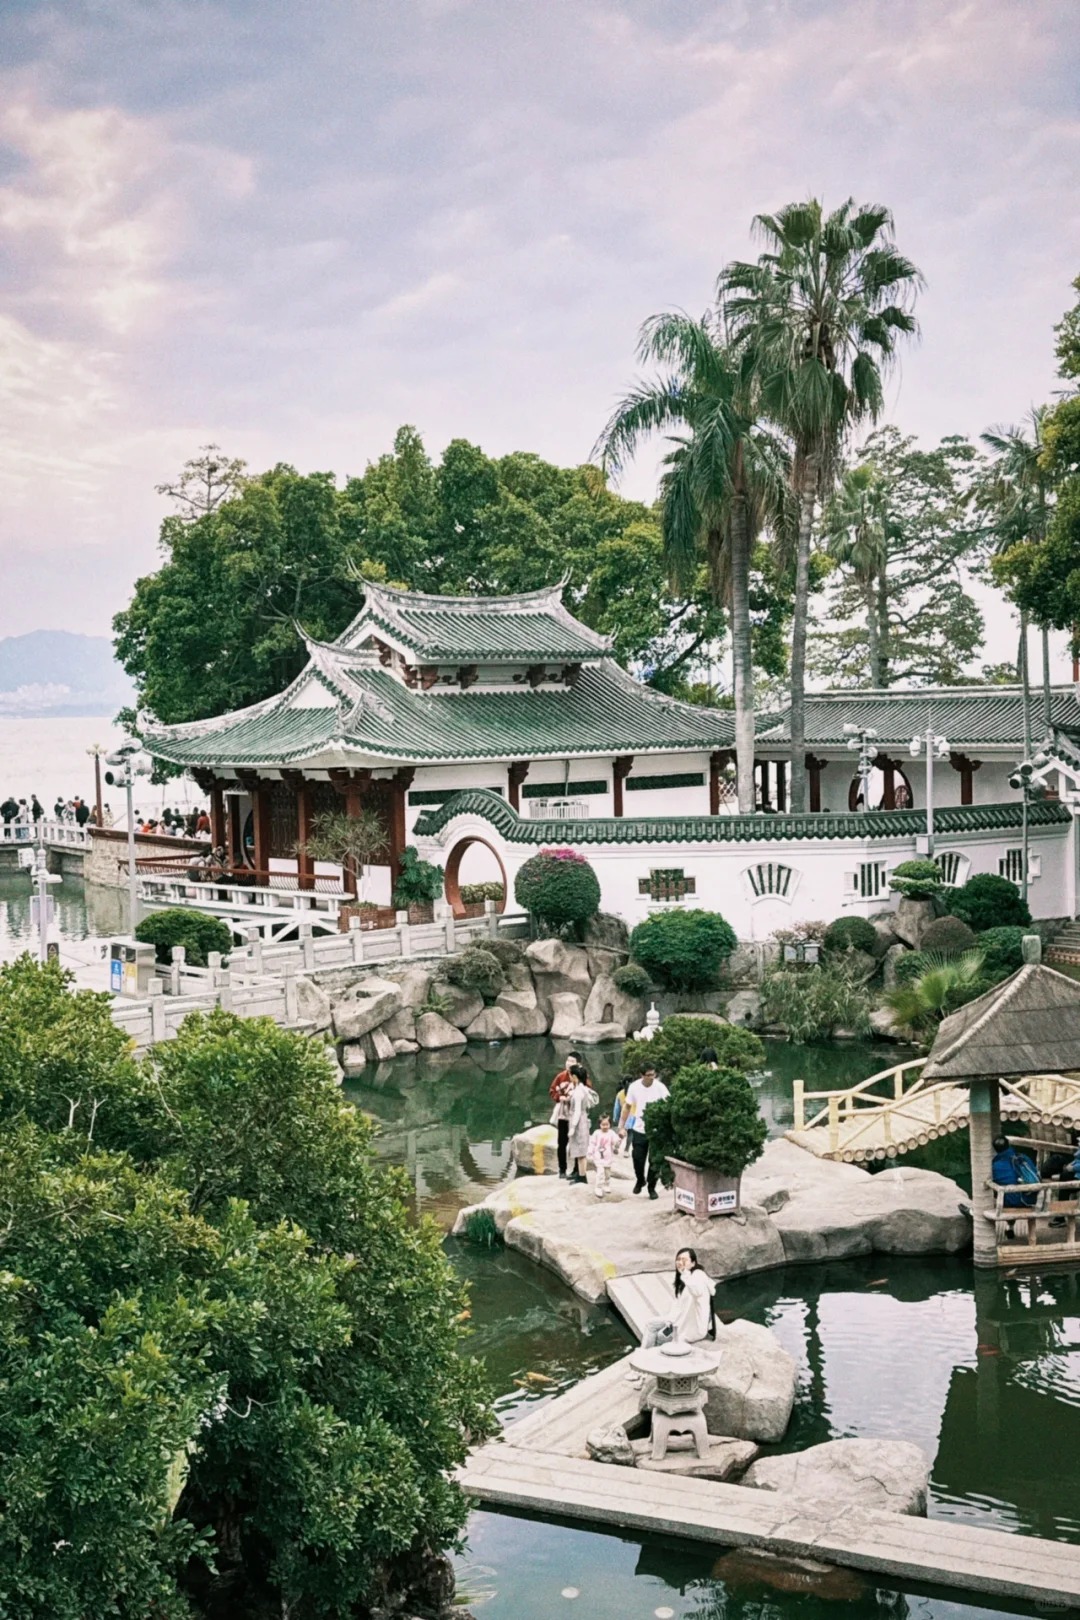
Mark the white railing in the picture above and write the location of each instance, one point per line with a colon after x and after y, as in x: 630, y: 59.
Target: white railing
x: 558, y: 809
x: 56, y: 834
x: 275, y: 912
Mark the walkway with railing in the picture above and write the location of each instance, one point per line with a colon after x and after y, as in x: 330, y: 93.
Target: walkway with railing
x: 56, y: 834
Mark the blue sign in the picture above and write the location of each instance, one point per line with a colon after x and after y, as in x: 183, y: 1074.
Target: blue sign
x: 116, y: 975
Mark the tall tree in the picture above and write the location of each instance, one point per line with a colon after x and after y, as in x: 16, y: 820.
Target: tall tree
x: 855, y: 529
x: 724, y: 479
x: 1018, y: 493
x: 816, y: 318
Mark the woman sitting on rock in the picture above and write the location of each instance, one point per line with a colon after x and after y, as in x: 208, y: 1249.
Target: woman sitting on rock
x: 692, y: 1318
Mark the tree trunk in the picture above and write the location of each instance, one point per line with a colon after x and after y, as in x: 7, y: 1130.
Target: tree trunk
x: 881, y: 677
x: 742, y: 655
x: 1047, y: 705
x: 873, y: 632
x: 807, y: 495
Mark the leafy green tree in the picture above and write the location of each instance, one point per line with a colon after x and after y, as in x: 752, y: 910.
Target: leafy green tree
x: 816, y: 319
x: 724, y: 481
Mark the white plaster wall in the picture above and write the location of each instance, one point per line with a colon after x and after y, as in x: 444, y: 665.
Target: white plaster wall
x: 687, y: 801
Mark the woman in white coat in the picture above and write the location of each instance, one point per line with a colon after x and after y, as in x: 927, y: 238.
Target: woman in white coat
x: 581, y: 1099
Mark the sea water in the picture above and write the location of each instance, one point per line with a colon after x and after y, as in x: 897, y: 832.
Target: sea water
x: 52, y: 758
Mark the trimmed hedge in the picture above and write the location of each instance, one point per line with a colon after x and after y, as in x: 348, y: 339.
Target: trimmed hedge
x: 1002, y: 950
x: 711, y: 1119
x: 196, y: 931
x: 683, y: 950
x: 851, y: 934
x: 473, y: 894
x: 682, y: 1038
x: 632, y: 979
x: 559, y: 888
x: 986, y: 901
x: 948, y: 936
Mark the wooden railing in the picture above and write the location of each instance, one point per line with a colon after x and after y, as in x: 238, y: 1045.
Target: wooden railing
x: 1051, y: 1221
x: 844, y: 1102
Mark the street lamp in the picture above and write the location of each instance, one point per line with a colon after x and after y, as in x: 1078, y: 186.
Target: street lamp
x: 35, y: 860
x: 1023, y: 780
x: 860, y: 738
x: 934, y: 747
x: 96, y: 752
x: 126, y: 767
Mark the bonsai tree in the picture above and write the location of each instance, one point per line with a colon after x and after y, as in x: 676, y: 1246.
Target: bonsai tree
x: 353, y: 842
x: 683, y: 950
x: 679, y: 1042
x: 917, y: 880
x: 559, y: 889
x: 419, y: 882
x: 711, y: 1120
x: 196, y: 931
x: 986, y: 901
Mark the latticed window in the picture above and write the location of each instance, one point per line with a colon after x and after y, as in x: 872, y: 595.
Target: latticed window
x: 1011, y: 865
x: 869, y: 881
x: 770, y: 877
x: 667, y: 883
x: 950, y: 864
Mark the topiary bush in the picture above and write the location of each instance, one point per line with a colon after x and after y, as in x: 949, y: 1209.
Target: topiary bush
x: 632, y: 979
x: 196, y: 931
x: 918, y: 879
x: 851, y: 934
x: 711, y: 1120
x: 559, y: 889
x: 478, y: 970
x: 948, y: 936
x: 683, y: 950
x: 1002, y: 950
x: 986, y: 901
x: 680, y: 1041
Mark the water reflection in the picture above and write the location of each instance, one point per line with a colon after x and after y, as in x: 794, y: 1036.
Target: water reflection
x: 82, y: 912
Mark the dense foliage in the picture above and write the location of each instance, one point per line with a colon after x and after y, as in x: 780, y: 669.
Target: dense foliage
x: 942, y: 988
x: 1002, y: 950
x: 559, y: 889
x: 809, y: 1003
x: 683, y: 950
x: 680, y: 1041
x: 632, y: 979
x: 476, y: 969
x: 473, y: 894
x: 230, y: 1357
x: 419, y: 882
x: 505, y: 951
x: 948, y: 936
x: 987, y: 901
x: 711, y: 1119
x: 851, y: 934
x: 196, y: 931
x: 918, y: 879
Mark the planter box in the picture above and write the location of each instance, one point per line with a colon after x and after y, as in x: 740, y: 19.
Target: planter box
x: 704, y: 1193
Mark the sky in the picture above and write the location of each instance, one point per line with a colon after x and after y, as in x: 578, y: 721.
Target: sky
x: 288, y: 228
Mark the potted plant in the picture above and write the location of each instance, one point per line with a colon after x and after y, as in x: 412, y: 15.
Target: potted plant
x: 419, y: 885
x: 706, y: 1133
x: 351, y: 842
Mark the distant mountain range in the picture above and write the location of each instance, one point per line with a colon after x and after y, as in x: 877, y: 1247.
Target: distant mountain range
x: 54, y: 673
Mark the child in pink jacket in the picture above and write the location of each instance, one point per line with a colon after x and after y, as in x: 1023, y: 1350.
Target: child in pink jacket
x: 603, y: 1146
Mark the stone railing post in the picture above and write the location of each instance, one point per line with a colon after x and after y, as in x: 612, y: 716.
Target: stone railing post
x: 491, y: 914
x: 798, y: 1088
x: 213, y: 965
x: 176, y: 969
x: 255, y: 949
x: 451, y: 928
x: 292, y: 1014
x: 404, y: 932
x: 307, y: 946
x: 224, y: 989
x: 157, y: 1011
x: 356, y: 934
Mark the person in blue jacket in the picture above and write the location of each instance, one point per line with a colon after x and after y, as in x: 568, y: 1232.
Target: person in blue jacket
x: 1010, y: 1166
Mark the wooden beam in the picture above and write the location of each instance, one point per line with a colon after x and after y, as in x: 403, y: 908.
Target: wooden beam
x: 517, y: 773
x: 467, y: 676
x: 217, y: 815
x: 305, y: 866
x: 967, y: 768
x: 814, y: 768
x: 402, y: 782
x: 620, y: 770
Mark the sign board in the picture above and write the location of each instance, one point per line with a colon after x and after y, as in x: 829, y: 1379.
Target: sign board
x: 35, y: 910
x: 116, y: 976
x: 52, y: 950
x: 685, y: 1199
x: 722, y: 1203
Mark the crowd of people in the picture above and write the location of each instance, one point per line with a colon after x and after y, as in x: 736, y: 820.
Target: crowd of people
x: 20, y: 818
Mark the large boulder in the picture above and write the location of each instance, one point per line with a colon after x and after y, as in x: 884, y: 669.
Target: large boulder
x: 434, y: 1033
x: 597, y: 1034
x: 518, y: 976
x: 752, y: 1391
x: 888, y: 964
x: 860, y: 966
x: 889, y: 1476
x: 559, y: 969
x: 607, y: 930
x: 727, y: 1460
x: 368, y: 1004
x: 405, y: 1048
x: 567, y: 1013
x: 610, y: 1444
x: 536, y: 1150
x: 886, y: 1026
x: 911, y: 919
x: 460, y: 1006
x: 414, y: 982
x: 885, y: 933
x: 607, y: 1004
x: 524, y: 1012
x: 603, y: 962
x: 378, y: 1046
x: 492, y: 1024
x: 312, y: 1005
x: 402, y: 1026
x: 744, y: 1007
x: 353, y: 1060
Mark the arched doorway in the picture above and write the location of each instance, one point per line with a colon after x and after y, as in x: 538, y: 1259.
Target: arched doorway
x: 889, y: 787
x: 473, y: 862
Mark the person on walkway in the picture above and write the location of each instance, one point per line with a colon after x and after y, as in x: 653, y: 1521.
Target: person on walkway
x: 202, y: 825
x: 107, y: 818
x: 643, y: 1091
x: 603, y: 1146
x: 559, y: 1092
x: 9, y: 809
x: 582, y: 1098
x: 692, y: 1318
x: 82, y: 812
x: 37, y: 809
x: 59, y: 807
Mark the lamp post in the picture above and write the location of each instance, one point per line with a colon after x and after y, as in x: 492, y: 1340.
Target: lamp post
x: 37, y: 863
x: 95, y: 753
x: 860, y: 738
x: 126, y: 767
x: 1023, y: 779
x: 934, y: 747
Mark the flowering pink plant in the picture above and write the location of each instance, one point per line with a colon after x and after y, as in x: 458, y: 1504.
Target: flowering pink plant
x: 564, y: 855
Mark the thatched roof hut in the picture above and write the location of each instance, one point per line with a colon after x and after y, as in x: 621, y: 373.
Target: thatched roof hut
x: 1030, y: 1024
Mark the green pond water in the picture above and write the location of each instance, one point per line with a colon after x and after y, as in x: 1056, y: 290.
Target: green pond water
x: 984, y: 1374
x: 82, y: 911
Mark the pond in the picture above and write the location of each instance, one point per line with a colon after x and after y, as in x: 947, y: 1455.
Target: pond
x: 983, y: 1373
x: 84, y: 913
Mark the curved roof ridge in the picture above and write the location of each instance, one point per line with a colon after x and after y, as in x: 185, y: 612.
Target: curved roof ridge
x: 392, y: 596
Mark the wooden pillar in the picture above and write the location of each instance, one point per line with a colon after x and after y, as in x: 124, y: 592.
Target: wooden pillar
x: 984, y: 1121
x: 781, y: 785
x: 888, y: 770
x: 402, y: 782
x: 305, y: 866
x: 351, y: 785
x: 260, y: 822
x: 814, y: 767
x: 620, y: 770
x: 967, y: 768
x: 763, y: 768
x: 514, y: 778
x: 718, y: 760
x: 217, y: 815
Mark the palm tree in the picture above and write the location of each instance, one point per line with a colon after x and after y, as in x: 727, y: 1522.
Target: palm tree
x: 857, y: 535
x: 723, y: 481
x: 816, y: 319
x: 947, y: 983
x: 1018, y: 492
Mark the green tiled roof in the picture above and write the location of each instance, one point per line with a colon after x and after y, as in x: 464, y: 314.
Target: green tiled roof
x: 495, y: 629
x: 967, y: 716
x: 732, y: 829
x: 605, y: 712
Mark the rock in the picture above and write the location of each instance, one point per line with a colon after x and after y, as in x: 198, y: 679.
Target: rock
x: 524, y: 1012
x: 744, y: 1007
x: 402, y: 1026
x: 559, y: 968
x: 312, y: 1004
x: 597, y: 1034
x: 607, y: 1004
x: 888, y: 965
x: 567, y: 1014
x: 607, y: 930
x: 535, y: 1150
x: 883, y: 1023
x: 911, y: 919
x: 752, y: 1391
x: 890, y: 1476
x: 727, y: 1459
x: 403, y: 1048
x: 353, y: 1060
x: 886, y: 934
x: 603, y: 962
x: 369, y: 1004
x: 742, y: 967
x: 461, y: 1006
x: 519, y: 977
x: 610, y: 1444
x: 434, y: 1032
x: 492, y: 1024
x: 414, y: 982
x: 379, y: 1046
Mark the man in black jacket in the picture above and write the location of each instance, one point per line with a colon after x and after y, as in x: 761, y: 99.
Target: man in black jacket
x: 9, y: 809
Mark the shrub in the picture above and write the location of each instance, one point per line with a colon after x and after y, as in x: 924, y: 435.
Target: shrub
x: 559, y: 888
x: 480, y: 1229
x: 680, y: 1041
x: 196, y: 931
x: 811, y: 1004
x: 419, y: 882
x: 473, y: 894
x: 851, y: 934
x: 683, y: 950
x: 505, y: 951
x: 1002, y: 950
x: 711, y: 1119
x: 948, y: 936
x: 801, y: 933
x: 944, y: 987
x: 632, y: 979
x: 987, y: 901
x: 918, y: 880
x: 911, y: 966
x: 478, y: 970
